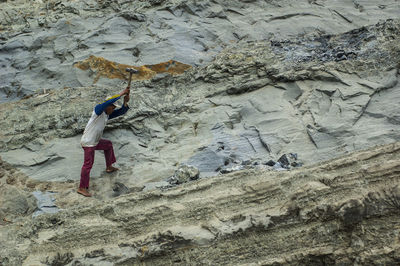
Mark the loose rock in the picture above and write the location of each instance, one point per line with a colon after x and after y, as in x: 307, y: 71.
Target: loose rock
x: 184, y: 173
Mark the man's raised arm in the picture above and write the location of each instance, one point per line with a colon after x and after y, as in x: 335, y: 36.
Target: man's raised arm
x: 121, y: 110
x: 99, y: 109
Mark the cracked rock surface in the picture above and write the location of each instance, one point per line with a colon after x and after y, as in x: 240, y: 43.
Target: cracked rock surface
x: 259, y: 132
x: 253, y: 102
x: 41, y: 39
x: 344, y: 211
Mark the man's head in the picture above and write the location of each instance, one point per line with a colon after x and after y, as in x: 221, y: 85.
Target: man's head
x: 109, y: 109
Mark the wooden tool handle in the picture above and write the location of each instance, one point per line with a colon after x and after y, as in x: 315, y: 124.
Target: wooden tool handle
x: 130, y: 79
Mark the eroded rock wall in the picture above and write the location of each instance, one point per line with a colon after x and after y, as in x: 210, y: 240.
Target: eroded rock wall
x: 319, y: 97
x: 345, y: 211
x: 40, y: 40
x: 223, y: 86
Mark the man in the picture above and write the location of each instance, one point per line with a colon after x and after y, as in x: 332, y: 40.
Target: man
x: 91, y: 138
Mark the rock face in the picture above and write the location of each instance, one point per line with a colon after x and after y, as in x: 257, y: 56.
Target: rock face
x: 243, y: 92
x: 255, y: 101
x: 40, y: 40
x: 345, y: 211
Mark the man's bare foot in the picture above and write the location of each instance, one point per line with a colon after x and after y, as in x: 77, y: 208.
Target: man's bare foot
x: 111, y: 169
x: 84, y: 192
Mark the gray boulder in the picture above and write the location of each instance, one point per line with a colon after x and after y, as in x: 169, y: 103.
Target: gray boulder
x: 15, y: 202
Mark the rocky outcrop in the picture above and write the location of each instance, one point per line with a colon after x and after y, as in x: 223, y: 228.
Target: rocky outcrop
x: 256, y: 101
x: 41, y: 40
x: 344, y: 211
x: 229, y: 152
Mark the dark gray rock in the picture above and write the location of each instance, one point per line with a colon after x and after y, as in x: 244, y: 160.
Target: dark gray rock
x: 289, y: 160
x: 269, y: 163
x: 352, y: 213
x: 227, y: 150
x: 120, y: 189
